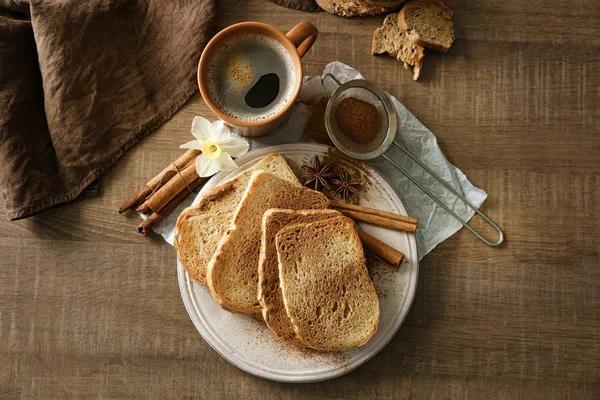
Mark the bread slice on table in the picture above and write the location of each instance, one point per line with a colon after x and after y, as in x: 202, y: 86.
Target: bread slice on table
x: 200, y: 228
x: 392, y: 40
x: 351, y: 8
x: 269, y: 292
x: 232, y: 273
x: 327, y: 291
x: 428, y: 23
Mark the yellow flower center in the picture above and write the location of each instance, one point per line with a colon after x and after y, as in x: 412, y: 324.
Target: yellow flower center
x: 211, y: 150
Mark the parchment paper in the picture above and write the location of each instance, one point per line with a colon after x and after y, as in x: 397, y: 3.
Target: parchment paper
x: 435, y: 225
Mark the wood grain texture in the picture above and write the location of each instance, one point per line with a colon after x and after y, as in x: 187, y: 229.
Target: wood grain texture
x: 88, y: 309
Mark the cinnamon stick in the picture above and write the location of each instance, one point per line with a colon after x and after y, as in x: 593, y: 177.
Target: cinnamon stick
x: 380, y: 221
x: 145, y: 226
x: 135, y: 199
x: 180, y: 182
x: 342, y: 205
x: 387, y: 253
x: 159, y: 180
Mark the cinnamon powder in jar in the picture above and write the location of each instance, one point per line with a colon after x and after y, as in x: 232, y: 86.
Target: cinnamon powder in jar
x: 357, y: 119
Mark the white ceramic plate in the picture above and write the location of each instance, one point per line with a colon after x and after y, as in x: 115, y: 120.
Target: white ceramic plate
x: 249, y: 345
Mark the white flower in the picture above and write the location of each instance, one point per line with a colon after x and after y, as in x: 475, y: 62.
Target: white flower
x: 217, y: 144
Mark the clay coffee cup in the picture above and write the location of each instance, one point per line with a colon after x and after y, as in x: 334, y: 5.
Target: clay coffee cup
x: 250, y: 74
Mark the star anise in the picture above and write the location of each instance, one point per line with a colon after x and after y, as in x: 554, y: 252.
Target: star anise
x: 318, y: 174
x: 345, y: 185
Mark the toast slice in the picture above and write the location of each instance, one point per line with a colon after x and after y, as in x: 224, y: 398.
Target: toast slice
x: 232, y: 273
x: 428, y: 23
x: 200, y: 228
x: 327, y: 291
x: 269, y: 292
x: 392, y: 40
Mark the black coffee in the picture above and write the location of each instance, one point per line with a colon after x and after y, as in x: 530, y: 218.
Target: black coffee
x: 251, y: 77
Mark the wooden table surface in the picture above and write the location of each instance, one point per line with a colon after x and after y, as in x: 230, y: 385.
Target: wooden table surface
x: 90, y: 309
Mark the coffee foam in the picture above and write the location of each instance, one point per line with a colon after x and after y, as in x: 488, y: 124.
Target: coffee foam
x: 236, y: 67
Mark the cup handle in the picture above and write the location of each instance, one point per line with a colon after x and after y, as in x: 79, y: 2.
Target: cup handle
x: 303, y: 36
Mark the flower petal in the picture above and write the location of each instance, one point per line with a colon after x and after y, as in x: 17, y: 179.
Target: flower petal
x: 219, y: 132
x: 206, y: 167
x: 201, y: 128
x: 193, y: 144
x: 236, y: 147
x: 227, y: 163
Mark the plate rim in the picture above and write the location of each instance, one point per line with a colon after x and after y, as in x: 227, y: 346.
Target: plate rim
x: 185, y: 281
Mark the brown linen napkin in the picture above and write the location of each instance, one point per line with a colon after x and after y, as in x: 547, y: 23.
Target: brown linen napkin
x: 302, y: 5
x: 81, y: 82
